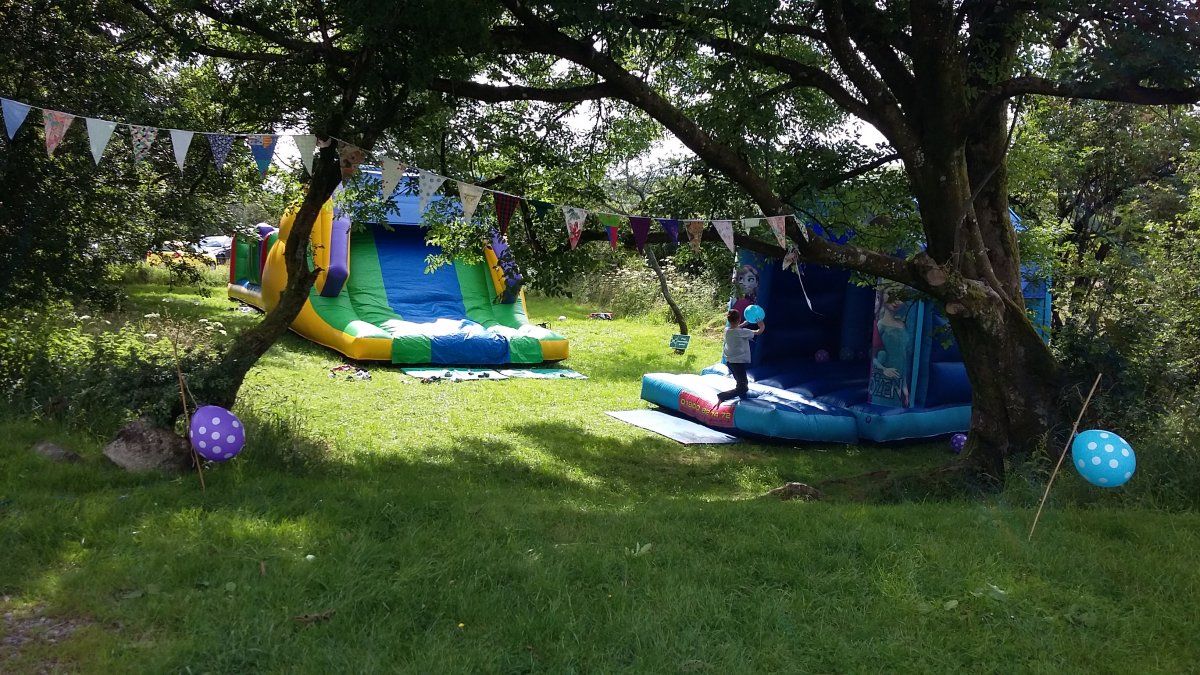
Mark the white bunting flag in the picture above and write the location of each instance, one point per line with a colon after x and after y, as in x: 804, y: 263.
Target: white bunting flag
x: 778, y: 223
x: 429, y: 183
x: 750, y: 223
x: 575, y: 217
x: 725, y: 229
x: 306, y: 144
x: 181, y: 140
x: 800, y: 224
x: 469, y: 195
x: 99, y: 133
x: 393, y: 171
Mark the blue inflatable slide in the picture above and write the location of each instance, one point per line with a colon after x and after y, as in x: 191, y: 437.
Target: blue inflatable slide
x: 858, y: 364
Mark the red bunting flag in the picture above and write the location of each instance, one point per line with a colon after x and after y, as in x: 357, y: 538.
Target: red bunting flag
x: 612, y: 237
x: 505, y: 206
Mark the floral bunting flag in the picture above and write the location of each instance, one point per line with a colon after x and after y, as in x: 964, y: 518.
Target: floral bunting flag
x: 14, y: 115
x: 641, y: 229
x: 143, y: 138
x: 181, y: 140
x: 750, y: 223
x: 791, y: 259
x: 428, y: 183
x: 778, y: 223
x: 99, y: 133
x: 392, y: 172
x: 57, y: 124
x: 349, y: 157
x: 220, y: 144
x: 262, y: 146
x: 671, y: 227
x: 725, y: 229
x: 469, y: 195
x: 575, y: 217
x: 306, y: 144
x: 695, y: 229
x: 612, y: 237
x: 800, y: 224
x: 505, y: 205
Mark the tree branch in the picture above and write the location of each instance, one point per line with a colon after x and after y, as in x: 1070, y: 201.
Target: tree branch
x: 496, y: 94
x: 1120, y: 93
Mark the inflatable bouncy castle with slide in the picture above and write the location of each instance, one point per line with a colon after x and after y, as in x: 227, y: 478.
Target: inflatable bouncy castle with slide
x: 838, y: 362
x: 374, y: 301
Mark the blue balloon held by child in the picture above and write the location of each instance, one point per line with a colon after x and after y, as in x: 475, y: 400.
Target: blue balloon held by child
x: 1103, y: 458
x: 754, y: 314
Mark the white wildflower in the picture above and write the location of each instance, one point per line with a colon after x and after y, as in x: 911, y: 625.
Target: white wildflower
x: 151, y: 336
x: 152, y: 315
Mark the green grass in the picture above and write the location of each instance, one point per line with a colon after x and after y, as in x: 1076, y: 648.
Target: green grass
x: 501, y: 527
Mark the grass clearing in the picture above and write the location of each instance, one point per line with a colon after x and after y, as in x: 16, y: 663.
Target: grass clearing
x: 393, y: 526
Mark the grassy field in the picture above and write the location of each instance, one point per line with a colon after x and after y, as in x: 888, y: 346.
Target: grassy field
x: 512, y: 527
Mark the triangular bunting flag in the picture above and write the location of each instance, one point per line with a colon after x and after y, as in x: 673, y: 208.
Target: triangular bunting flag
x: 695, y: 229
x: 800, y: 224
x: 349, y: 157
x: 99, y: 133
x: 791, y: 259
x: 14, y: 115
x: 612, y: 237
x: 541, y: 207
x: 575, y: 218
x: 750, y: 223
x: 778, y: 223
x: 262, y: 146
x: 725, y: 229
x: 641, y: 229
x: 392, y: 172
x: 306, y: 144
x: 220, y: 144
x: 671, y: 227
x: 609, y: 219
x: 181, y: 140
x: 469, y: 195
x: 505, y: 205
x: 143, y: 138
x: 57, y: 124
x: 429, y: 184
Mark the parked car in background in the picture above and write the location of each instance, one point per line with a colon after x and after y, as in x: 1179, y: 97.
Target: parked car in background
x: 180, y: 253
x: 218, y: 246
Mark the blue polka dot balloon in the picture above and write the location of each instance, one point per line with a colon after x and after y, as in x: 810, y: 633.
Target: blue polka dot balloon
x: 216, y: 434
x: 1103, y: 458
x: 958, y: 442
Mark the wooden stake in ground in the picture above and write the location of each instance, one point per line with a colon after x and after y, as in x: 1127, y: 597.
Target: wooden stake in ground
x: 187, y: 416
x: 1070, y: 439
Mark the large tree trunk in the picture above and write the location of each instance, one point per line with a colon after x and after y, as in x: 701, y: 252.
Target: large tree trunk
x: 253, y: 342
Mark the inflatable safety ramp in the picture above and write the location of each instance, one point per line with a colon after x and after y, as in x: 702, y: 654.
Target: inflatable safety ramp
x: 374, y: 301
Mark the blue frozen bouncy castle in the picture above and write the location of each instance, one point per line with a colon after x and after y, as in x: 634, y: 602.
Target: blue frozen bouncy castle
x: 838, y: 362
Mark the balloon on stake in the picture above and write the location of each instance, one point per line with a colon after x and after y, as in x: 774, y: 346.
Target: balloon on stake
x: 1103, y: 458
x: 1063, y: 455
x: 216, y: 434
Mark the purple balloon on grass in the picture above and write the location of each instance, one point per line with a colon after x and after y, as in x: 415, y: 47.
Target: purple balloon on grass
x: 958, y: 442
x: 216, y: 434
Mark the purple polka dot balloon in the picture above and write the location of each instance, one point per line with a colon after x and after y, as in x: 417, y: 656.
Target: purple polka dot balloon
x: 821, y: 356
x: 958, y: 442
x: 216, y: 434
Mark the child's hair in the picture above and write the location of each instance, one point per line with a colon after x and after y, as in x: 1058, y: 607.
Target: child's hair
x: 734, y: 317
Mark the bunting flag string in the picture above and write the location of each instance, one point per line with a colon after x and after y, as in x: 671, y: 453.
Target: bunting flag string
x: 99, y: 133
x: 57, y: 124
x: 612, y: 237
x: 262, y: 148
x: 181, y: 140
x: 505, y: 205
x: 469, y: 195
x: 143, y: 138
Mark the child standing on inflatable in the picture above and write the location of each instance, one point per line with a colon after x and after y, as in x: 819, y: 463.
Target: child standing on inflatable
x: 737, y: 352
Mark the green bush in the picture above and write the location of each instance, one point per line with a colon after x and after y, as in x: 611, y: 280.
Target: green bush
x: 630, y: 288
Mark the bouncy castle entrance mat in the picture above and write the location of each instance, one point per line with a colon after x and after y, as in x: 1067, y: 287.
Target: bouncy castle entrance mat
x: 674, y: 428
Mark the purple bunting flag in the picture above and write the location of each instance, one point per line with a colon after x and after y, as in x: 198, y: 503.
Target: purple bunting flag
x: 671, y: 227
x: 221, y: 144
x: 641, y: 230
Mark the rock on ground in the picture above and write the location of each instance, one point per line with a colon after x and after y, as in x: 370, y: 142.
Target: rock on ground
x: 141, y: 446
x: 55, y: 453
